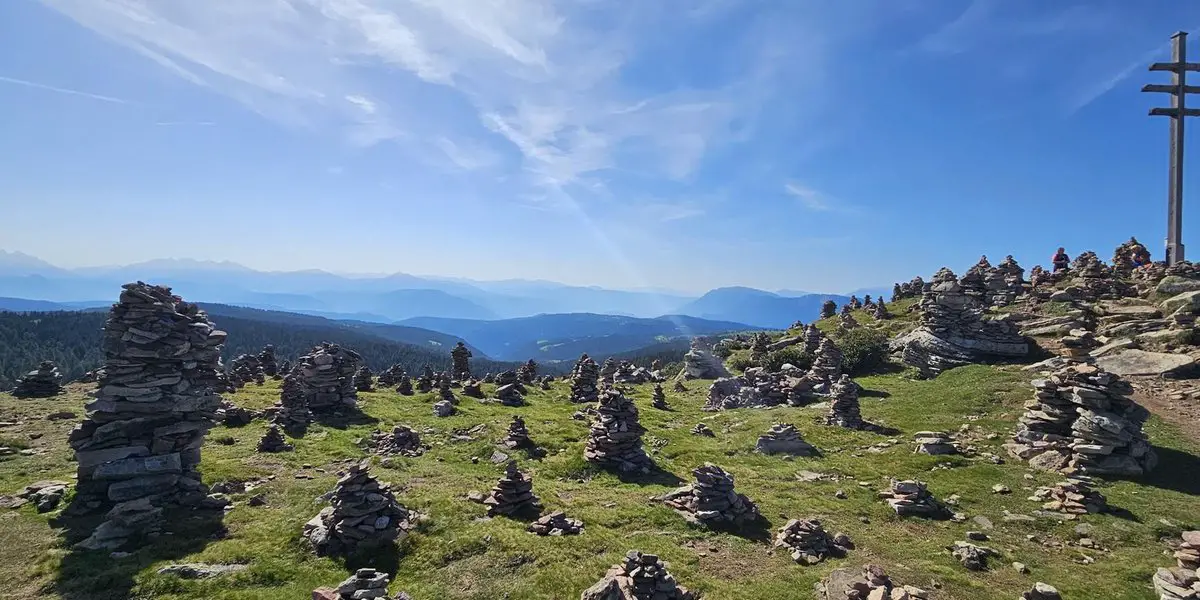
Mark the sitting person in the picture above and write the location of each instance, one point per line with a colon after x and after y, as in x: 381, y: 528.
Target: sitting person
x: 1061, y: 261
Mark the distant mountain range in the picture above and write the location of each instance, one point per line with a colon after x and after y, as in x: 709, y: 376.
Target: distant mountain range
x: 391, y: 298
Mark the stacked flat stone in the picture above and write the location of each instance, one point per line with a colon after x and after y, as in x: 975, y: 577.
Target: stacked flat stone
x: 527, y: 372
x: 513, y: 494
x: 638, y: 577
x: 389, y: 376
x: 1082, y: 420
x: 784, y: 438
x: 659, y: 398
x: 445, y: 391
x: 827, y: 363
x: 1187, y: 555
x: 615, y: 436
x: 703, y: 430
x: 1072, y: 497
x: 268, y: 361
x: 844, y: 409
x: 363, y: 379
x: 712, y: 499
x: 585, y: 380
x: 244, y: 369
x: 460, y: 359
x: 138, y: 450
x: 846, y: 308
x: 953, y: 332
x: 1096, y: 281
x: 897, y: 292
x: 364, y: 584
x: 808, y: 543
x: 232, y: 415
x: 871, y: 584
x: 912, y: 498
x: 327, y: 377
x: 1006, y: 282
x: 403, y: 440
x: 973, y: 282
x: 760, y: 344
x: 1041, y: 591
x: 1181, y: 582
x: 854, y: 303
x: 273, y: 441
x: 880, y: 311
x: 935, y: 443
x: 812, y: 339
x: 1040, y: 278
x: 555, y: 524
x: 43, y: 382
x: 518, y: 435
x: 292, y: 411
x: 363, y: 513
x: 631, y: 374
x: 472, y: 389
x: 828, y: 309
x: 758, y: 389
x: 426, y: 381
x: 285, y: 367
x: 699, y: 363
x: 509, y: 390
x: 405, y: 385
x: 846, y: 322
x: 608, y: 369
x: 868, y: 302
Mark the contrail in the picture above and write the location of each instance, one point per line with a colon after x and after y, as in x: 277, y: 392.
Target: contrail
x: 42, y: 86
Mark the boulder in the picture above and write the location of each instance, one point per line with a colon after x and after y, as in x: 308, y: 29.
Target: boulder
x: 1140, y: 362
x: 1173, y: 285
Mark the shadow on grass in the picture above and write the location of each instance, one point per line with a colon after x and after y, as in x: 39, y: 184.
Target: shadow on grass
x: 1176, y: 471
x: 95, y: 575
x: 758, y: 530
x: 656, y: 476
x: 385, y: 558
x: 865, y: 393
x: 344, y: 418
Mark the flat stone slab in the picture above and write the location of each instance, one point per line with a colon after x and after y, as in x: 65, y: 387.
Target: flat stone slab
x: 1134, y: 310
x: 1140, y: 362
x: 1177, y: 285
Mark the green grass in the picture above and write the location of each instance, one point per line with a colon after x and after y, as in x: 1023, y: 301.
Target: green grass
x: 459, y: 555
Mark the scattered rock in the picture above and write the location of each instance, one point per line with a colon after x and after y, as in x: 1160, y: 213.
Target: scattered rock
x: 556, y: 523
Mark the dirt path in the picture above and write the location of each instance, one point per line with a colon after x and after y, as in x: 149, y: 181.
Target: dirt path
x: 1174, y: 401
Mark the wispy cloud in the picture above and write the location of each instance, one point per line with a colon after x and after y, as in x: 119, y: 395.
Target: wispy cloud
x: 66, y: 91
x: 185, y: 123
x: 810, y: 198
x: 1090, y: 93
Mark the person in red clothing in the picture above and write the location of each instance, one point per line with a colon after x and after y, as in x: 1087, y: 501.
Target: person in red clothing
x: 1061, y: 261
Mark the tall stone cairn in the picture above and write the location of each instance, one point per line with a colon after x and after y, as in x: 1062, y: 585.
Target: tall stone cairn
x: 292, y: 411
x: 973, y: 282
x: 389, y: 376
x: 812, y: 339
x: 269, y: 362
x: 273, y: 441
x: 1082, y: 420
x: 1181, y: 582
x: 364, y: 380
x: 138, y: 450
x: 513, y: 494
x: 363, y: 513
x: 460, y: 359
x: 608, y: 369
x: 327, y: 377
x: 897, y: 292
x: 1006, y: 282
x: 585, y: 380
x: 712, y: 499
x: 426, y: 381
x: 867, y: 301
x: 43, y: 382
x: 615, y: 437
x: 527, y: 372
x: 405, y: 385
x: 659, y: 398
x: 638, y: 577
x: 827, y: 363
x: 854, y: 303
x: 518, y: 435
x: 880, y: 311
x: 844, y: 410
x: 509, y: 390
x: 760, y: 344
x: 285, y: 367
x: 445, y: 392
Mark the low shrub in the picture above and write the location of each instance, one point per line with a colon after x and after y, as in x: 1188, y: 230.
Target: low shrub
x: 864, y: 350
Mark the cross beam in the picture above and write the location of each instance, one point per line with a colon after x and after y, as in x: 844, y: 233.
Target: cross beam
x: 1178, y: 112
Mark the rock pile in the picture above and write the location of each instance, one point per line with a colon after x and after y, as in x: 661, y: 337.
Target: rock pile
x: 327, y: 378
x: 1006, y: 282
x: 364, y: 380
x: 403, y: 440
x: 854, y: 303
x: 827, y: 364
x: 973, y: 557
x: 699, y: 363
x: 880, y: 312
x: 45, y: 495
x: 935, y: 443
x: 1072, y: 497
x: 445, y: 392
x: 844, y: 410
x: 953, y: 332
x: 268, y: 362
x: 292, y: 411
x: 812, y: 339
x: 404, y: 386
x: 615, y: 437
x: 808, y: 542
x: 509, y: 390
x: 629, y: 373
x: 712, y: 499
x: 1082, y: 420
x: 472, y: 389
x: 518, y: 435
x: 460, y: 359
x: 659, y: 398
x: 556, y: 523
x: 638, y: 577
x: 784, y: 438
x: 364, y: 584
x: 363, y: 513
x: 608, y: 369
x: 585, y: 378
x: 43, y: 382
x: 527, y: 372
x: 846, y: 322
x: 232, y: 415
x: 756, y: 389
x: 139, y: 448
x: 425, y: 381
x: 1182, y: 581
x: 912, y: 498
x: 513, y: 494
x: 973, y: 281
x: 872, y: 584
x: 390, y: 376
x: 244, y: 369
x: 273, y: 441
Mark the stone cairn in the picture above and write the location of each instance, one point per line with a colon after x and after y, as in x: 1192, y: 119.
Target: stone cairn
x: 712, y: 499
x: 659, y: 398
x: 389, y: 376
x: 363, y: 380
x: 285, y: 367
x: 1072, y: 497
x: 268, y: 362
x: 756, y: 388
x: 679, y: 387
x: 638, y: 577
x: 912, y: 498
x: 844, y: 410
x: 867, y: 301
x: 273, y: 441
x: 699, y: 363
x: 364, y: 584
x: 703, y: 430
x: 363, y: 513
x: 827, y: 364
x: 854, y: 303
x: 460, y: 359
x: 615, y: 436
x: 880, y: 312
x: 973, y: 282
x: 953, y: 332
x: 1006, y: 282
x: 808, y: 543
x: 935, y: 443
x: 629, y: 373
x: 1125, y: 255
x: 846, y: 308
x: 555, y: 524
x: 1183, y: 581
x: 472, y: 389
x: 425, y: 381
x: 244, y: 369
x: 43, y: 382
x: 784, y: 438
x: 327, y: 377
x: 585, y: 378
x: 513, y: 494
x: 760, y: 344
x: 232, y: 415
x: 812, y: 339
x: 846, y: 322
x: 403, y: 440
x: 527, y: 372
x: 445, y: 391
x: 292, y: 411
x: 608, y: 369
x: 1082, y: 420
x: 872, y: 584
x: 138, y: 450
x: 509, y: 390
x: 518, y: 435
x: 1041, y: 591
x: 404, y: 385
x: 897, y: 292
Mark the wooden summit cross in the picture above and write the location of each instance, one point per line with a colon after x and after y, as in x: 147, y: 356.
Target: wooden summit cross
x: 1179, y: 90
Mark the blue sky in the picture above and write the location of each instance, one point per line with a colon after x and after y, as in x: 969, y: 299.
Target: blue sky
x: 778, y: 144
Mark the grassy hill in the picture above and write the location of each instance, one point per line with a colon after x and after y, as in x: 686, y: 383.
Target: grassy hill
x: 460, y: 555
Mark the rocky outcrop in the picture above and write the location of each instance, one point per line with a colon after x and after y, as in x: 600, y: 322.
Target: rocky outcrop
x: 700, y: 363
